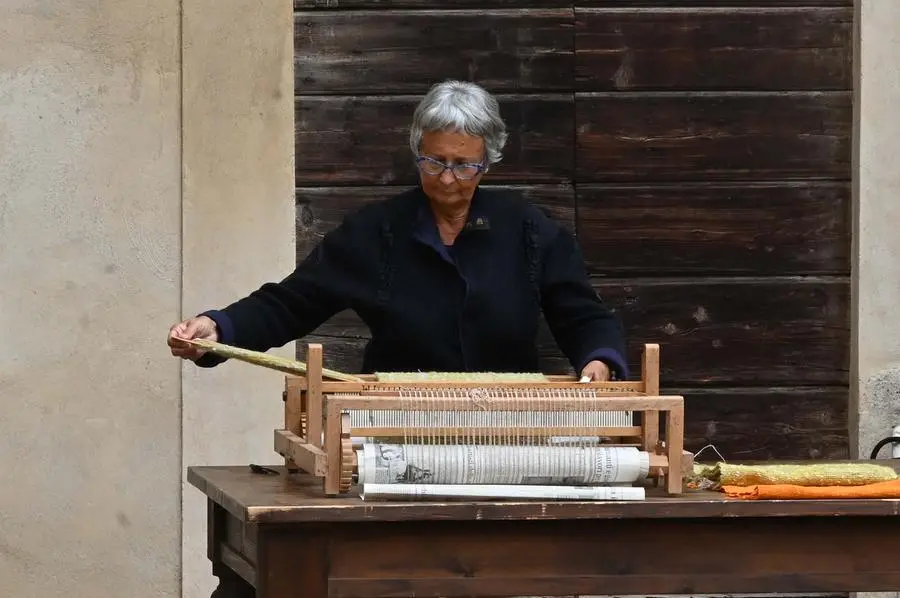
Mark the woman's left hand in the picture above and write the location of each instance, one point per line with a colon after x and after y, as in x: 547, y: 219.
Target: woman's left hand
x: 597, y: 371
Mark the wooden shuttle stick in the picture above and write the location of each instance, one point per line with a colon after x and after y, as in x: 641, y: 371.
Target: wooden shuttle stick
x: 273, y: 362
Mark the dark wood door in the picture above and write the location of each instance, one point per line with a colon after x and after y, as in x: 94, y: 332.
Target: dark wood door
x: 699, y: 149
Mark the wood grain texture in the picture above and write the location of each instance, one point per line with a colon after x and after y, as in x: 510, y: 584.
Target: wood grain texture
x: 656, y: 136
x: 334, y: 5
x: 730, y: 4
x: 766, y: 423
x: 737, y: 48
x: 712, y: 332
x: 321, y: 209
x: 364, y: 140
x: 291, y: 564
x: 708, y: 556
x: 746, y: 228
x: 741, y: 331
x: 385, y: 52
x: 386, y: 5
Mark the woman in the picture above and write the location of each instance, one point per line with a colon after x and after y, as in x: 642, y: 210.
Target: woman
x: 448, y: 276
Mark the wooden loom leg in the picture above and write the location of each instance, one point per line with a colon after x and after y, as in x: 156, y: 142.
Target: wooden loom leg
x: 333, y: 448
x: 650, y: 419
x: 675, y: 446
x: 293, y: 413
x: 314, y: 394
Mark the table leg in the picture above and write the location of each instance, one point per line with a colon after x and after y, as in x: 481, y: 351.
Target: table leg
x: 292, y: 562
x: 231, y: 585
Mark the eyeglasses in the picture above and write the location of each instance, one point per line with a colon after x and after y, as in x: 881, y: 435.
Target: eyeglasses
x: 433, y: 167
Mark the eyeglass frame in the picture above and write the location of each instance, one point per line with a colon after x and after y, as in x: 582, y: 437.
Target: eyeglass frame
x: 480, y: 166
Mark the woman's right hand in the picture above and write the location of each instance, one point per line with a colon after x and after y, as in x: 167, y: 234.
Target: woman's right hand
x: 201, y: 327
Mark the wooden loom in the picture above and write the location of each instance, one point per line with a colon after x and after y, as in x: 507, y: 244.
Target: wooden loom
x: 318, y: 435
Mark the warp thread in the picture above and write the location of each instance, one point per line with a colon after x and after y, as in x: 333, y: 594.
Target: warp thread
x: 460, y: 376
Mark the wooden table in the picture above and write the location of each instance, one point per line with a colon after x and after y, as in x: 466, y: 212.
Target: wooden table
x: 284, y: 537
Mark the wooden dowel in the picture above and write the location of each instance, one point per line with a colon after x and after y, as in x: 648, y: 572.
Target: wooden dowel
x: 315, y: 398
x: 272, y: 362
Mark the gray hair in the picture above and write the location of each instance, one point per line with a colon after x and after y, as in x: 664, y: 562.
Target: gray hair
x: 464, y: 107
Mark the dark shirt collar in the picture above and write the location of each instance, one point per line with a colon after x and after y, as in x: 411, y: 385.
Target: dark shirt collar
x: 426, y: 227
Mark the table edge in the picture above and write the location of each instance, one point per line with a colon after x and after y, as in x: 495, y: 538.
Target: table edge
x: 214, y: 494
x: 568, y: 511
x: 396, y: 511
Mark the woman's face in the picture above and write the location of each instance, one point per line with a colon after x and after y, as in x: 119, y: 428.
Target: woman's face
x: 451, y: 148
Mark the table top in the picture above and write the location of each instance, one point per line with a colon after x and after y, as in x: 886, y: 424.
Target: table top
x: 298, y: 497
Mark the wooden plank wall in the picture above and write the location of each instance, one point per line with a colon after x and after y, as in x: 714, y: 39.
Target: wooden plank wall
x: 699, y: 149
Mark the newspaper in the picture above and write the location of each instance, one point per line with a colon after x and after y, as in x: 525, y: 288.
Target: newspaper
x: 493, y: 491
x: 381, y: 463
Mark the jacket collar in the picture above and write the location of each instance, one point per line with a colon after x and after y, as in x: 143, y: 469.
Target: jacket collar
x: 425, y: 227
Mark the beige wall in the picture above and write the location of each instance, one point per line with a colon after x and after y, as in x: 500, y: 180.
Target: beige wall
x: 146, y: 173
x: 876, y: 367
x: 238, y: 227
x: 90, y: 267
x: 108, y: 235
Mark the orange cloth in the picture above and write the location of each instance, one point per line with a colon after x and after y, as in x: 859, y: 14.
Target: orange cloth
x: 889, y: 489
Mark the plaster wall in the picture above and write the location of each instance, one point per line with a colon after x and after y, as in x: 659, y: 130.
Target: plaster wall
x: 109, y: 233
x: 238, y: 229
x: 90, y: 272
x: 876, y: 364
x: 875, y: 367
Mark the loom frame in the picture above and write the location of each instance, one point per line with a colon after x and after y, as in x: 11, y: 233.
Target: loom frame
x: 316, y: 433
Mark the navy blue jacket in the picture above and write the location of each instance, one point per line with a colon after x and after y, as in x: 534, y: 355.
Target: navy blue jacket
x: 472, y: 306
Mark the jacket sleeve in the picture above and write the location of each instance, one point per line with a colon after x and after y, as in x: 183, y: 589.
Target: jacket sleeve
x: 584, y: 328
x: 327, y: 281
